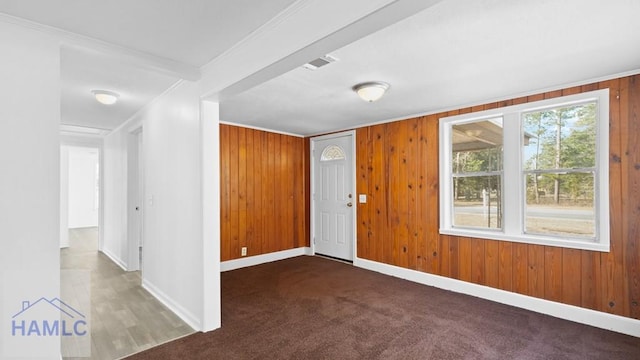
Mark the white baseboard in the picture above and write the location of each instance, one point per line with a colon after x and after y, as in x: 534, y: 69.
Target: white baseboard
x: 177, y: 309
x: 265, y: 258
x: 115, y: 259
x: 577, y: 314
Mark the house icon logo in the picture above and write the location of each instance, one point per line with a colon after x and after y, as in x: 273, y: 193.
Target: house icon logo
x: 45, y: 317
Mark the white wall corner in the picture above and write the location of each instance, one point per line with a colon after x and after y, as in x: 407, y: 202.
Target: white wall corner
x: 174, y: 306
x: 210, y: 183
x: 115, y: 259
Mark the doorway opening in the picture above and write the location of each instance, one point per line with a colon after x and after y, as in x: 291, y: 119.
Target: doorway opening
x: 80, y: 221
x: 79, y: 190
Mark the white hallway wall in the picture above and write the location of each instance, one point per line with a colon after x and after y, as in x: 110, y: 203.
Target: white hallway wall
x: 173, y: 242
x: 114, y: 243
x: 83, y: 178
x: 29, y: 181
x: 173, y: 220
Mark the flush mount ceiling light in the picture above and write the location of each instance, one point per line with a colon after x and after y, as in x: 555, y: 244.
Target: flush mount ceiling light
x: 371, y: 91
x: 105, y: 96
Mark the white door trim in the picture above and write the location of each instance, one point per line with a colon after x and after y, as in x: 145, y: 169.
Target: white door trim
x: 135, y: 193
x: 351, y: 133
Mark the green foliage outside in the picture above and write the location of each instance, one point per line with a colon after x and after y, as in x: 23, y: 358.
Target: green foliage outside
x: 563, y: 140
x: 559, y: 160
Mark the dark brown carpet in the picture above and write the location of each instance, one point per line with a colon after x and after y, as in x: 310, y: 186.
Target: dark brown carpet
x: 314, y: 308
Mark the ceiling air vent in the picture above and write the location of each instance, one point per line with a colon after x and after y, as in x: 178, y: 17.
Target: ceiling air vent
x: 319, y: 62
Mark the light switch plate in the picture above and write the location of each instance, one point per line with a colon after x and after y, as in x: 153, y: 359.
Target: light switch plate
x: 362, y: 198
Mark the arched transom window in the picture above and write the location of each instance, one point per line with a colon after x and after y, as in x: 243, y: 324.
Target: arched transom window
x: 332, y: 152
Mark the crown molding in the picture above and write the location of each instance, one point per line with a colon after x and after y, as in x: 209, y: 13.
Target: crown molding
x: 135, y: 121
x: 261, y: 129
x: 120, y: 53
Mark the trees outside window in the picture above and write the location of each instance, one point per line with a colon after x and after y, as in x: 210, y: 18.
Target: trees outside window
x: 560, y: 169
x: 534, y: 173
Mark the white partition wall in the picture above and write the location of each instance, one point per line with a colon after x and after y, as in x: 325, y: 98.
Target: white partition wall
x: 29, y: 183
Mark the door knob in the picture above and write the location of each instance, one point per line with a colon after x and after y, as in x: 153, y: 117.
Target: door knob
x: 349, y: 204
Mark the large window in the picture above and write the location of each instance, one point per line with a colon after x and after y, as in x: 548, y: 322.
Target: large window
x: 534, y: 173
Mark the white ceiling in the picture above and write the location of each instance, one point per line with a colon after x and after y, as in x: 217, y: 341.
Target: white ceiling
x: 192, y: 32
x: 82, y: 71
x: 171, y: 33
x: 451, y: 54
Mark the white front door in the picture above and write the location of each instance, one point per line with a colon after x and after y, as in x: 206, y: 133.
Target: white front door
x: 333, y: 195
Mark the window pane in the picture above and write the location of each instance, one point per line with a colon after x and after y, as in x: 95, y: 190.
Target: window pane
x: 560, y: 138
x: 533, y: 173
x: 563, y: 204
x: 477, y: 201
x: 332, y: 152
x: 477, y: 146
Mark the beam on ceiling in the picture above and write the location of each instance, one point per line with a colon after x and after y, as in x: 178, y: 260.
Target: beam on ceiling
x: 377, y: 20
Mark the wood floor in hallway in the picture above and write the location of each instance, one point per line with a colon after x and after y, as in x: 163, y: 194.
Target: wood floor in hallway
x: 125, y: 318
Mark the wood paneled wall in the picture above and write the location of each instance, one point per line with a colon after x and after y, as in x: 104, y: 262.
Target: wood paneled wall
x: 397, y: 166
x: 264, y: 195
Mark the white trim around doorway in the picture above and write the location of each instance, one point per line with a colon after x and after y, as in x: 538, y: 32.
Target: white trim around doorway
x: 312, y: 142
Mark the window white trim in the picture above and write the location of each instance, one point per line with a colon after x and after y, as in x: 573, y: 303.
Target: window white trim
x: 513, y: 192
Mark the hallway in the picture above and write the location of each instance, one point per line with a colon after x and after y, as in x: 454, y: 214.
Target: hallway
x: 125, y: 318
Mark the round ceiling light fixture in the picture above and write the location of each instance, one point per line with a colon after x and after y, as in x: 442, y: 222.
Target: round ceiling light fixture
x: 105, y: 97
x: 372, y: 90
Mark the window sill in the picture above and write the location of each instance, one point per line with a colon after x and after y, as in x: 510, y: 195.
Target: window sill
x: 528, y: 239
